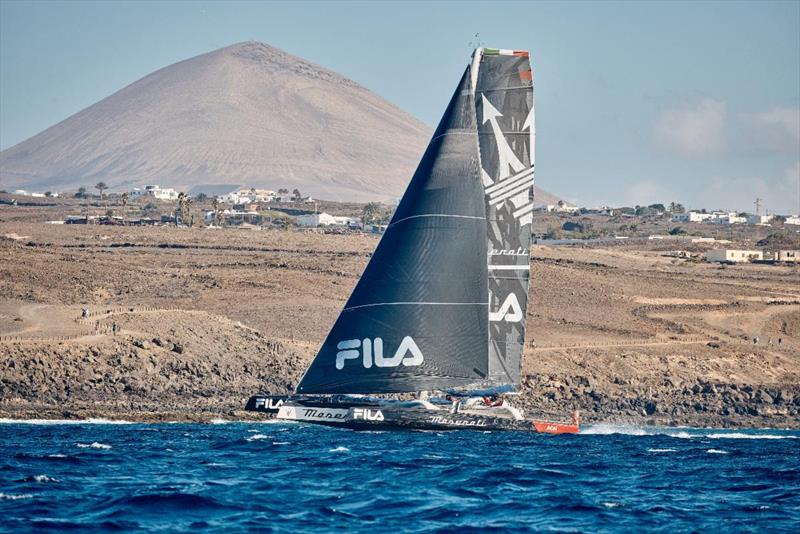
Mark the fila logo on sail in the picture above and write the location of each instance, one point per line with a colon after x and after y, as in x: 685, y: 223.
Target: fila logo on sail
x: 371, y: 352
x: 510, y: 311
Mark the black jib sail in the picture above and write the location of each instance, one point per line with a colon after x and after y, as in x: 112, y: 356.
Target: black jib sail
x: 436, y: 308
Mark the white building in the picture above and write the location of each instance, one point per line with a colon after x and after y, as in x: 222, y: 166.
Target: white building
x: 730, y: 217
x: 154, y: 191
x: 313, y: 220
x: 562, y: 207
x: 692, y: 216
x: 793, y: 219
x: 759, y: 219
x: 792, y: 256
x: 246, y: 196
x: 727, y: 255
x: 234, y: 198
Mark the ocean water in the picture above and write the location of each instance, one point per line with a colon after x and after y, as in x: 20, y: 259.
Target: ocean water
x: 288, y: 477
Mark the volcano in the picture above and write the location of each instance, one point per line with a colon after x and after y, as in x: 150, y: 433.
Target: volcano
x: 247, y: 114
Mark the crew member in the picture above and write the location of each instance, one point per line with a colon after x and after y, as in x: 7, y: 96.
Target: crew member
x: 492, y: 401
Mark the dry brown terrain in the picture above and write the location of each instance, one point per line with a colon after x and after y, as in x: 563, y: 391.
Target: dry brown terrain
x: 208, y: 317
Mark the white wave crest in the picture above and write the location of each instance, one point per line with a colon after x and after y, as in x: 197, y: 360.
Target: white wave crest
x: 340, y: 449
x: 43, y: 478
x: 8, y: 497
x: 270, y: 422
x: 56, y: 455
x: 219, y: 421
x: 94, y: 445
x: 739, y: 435
x: 679, y: 432
x: 611, y: 504
x: 280, y: 442
x: 662, y: 450
x: 256, y: 437
x: 604, y: 430
x: 91, y: 421
x: 716, y: 451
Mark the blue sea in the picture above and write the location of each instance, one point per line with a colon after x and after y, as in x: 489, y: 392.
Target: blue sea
x: 288, y: 477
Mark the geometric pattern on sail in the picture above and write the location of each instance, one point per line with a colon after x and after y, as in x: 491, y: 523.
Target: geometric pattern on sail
x: 506, y: 130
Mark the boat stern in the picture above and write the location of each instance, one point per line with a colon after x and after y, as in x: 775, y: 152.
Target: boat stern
x: 554, y: 427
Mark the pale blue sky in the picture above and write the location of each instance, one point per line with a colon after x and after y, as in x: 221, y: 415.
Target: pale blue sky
x: 637, y: 102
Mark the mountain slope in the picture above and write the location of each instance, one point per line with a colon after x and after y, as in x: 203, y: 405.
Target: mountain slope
x: 245, y: 114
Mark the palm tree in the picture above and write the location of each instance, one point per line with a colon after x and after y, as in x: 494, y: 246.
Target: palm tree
x: 296, y: 194
x: 184, y: 204
x: 123, y: 199
x: 101, y: 186
x: 217, y: 211
x: 370, y: 211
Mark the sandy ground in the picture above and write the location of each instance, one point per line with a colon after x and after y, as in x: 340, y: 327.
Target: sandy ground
x: 206, y: 318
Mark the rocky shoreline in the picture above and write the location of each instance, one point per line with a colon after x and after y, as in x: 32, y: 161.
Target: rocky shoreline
x: 206, y: 319
x: 704, y: 405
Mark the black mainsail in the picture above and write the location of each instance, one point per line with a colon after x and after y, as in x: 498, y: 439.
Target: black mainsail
x: 442, y: 302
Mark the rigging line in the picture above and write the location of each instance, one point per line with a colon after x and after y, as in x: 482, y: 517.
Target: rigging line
x: 438, y: 215
x: 417, y: 303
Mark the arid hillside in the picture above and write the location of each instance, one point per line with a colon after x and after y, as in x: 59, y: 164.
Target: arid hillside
x: 247, y: 114
x: 207, y: 317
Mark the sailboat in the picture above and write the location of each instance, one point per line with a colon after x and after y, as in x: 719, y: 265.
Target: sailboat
x: 440, y: 308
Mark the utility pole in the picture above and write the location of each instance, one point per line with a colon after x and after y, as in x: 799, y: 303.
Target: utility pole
x: 758, y: 206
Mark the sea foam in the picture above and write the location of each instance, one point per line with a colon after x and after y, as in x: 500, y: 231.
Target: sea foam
x: 739, y: 435
x: 94, y: 445
x: 91, y: 421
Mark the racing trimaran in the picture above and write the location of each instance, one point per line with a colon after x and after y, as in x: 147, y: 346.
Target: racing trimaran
x: 441, y: 305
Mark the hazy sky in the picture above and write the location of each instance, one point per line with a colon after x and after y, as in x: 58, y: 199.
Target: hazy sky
x: 637, y: 102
